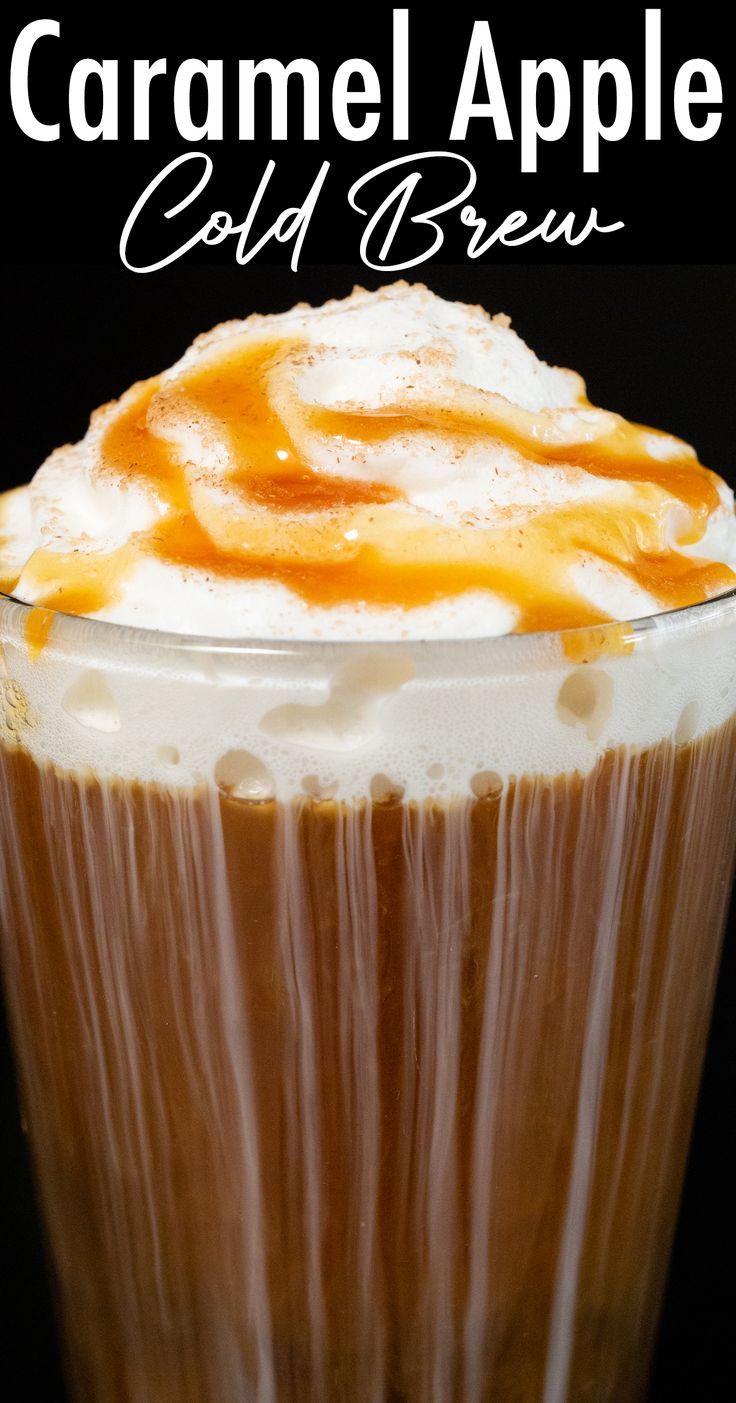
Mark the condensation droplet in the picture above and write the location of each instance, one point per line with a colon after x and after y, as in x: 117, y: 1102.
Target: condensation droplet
x: 688, y: 723
x: 435, y: 771
x: 168, y: 755
x: 90, y: 702
x: 486, y: 784
x: 16, y: 716
x: 384, y: 790
x: 317, y: 789
x: 240, y: 775
x: 585, y: 699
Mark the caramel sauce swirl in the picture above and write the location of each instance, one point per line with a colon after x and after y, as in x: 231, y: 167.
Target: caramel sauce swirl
x: 241, y: 494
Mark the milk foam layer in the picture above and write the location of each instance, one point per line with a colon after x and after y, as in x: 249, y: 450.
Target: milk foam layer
x: 351, y: 721
x: 437, y: 480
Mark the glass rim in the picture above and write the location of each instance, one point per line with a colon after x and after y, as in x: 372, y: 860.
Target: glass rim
x: 106, y: 631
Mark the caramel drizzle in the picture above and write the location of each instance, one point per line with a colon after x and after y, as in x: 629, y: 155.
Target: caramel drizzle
x: 292, y: 522
x: 36, y: 631
x: 621, y: 455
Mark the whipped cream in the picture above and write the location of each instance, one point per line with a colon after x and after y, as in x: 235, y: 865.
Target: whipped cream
x: 387, y: 466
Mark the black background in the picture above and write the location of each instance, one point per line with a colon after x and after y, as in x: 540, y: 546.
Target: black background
x: 652, y: 330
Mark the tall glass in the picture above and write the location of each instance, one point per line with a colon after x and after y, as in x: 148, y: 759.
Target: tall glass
x: 359, y: 996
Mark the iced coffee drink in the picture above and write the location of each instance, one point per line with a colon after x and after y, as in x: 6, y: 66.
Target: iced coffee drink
x: 368, y: 814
